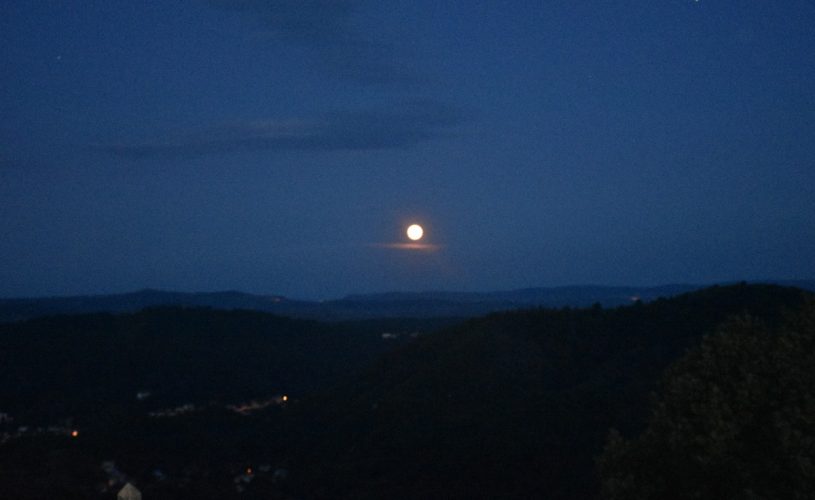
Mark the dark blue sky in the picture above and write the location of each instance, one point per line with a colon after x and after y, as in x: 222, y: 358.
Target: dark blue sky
x: 283, y: 146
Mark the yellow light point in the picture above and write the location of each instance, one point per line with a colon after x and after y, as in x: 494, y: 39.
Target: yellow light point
x: 74, y: 433
x: 248, y: 471
x: 285, y: 398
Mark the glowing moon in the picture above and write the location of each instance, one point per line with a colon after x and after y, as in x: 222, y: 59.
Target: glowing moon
x: 415, y: 232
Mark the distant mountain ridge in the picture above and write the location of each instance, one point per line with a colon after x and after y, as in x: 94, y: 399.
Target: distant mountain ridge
x: 539, y: 295
x: 360, y: 306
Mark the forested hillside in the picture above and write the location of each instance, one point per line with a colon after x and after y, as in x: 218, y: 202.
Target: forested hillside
x: 73, y: 365
x: 512, y: 405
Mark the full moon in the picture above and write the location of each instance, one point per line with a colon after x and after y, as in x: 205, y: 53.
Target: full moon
x: 415, y: 232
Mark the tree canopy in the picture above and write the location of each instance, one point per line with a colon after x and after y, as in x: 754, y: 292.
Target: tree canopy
x: 735, y: 418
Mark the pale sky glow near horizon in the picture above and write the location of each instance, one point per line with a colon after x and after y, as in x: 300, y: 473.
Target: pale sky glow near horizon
x: 284, y: 147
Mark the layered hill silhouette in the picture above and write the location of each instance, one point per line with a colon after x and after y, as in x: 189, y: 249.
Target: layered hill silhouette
x: 383, y: 305
x: 515, y: 404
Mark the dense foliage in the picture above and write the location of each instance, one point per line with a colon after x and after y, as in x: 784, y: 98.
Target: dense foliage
x: 735, y: 419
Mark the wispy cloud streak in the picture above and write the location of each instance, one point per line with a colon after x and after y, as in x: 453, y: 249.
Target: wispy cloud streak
x: 339, y: 131
x: 423, y: 247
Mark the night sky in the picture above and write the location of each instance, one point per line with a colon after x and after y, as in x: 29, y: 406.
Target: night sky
x: 283, y: 147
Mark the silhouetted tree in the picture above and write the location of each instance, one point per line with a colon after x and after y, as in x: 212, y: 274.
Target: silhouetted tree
x: 735, y: 419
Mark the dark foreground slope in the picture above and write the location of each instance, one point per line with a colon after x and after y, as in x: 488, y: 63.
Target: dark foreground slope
x: 514, y: 405
x: 83, y: 366
x: 153, y: 396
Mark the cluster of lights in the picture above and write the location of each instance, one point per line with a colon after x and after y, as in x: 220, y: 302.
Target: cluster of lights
x: 284, y: 398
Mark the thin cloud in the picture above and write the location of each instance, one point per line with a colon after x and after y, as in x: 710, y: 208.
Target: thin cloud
x: 326, y: 28
x: 339, y: 131
x: 423, y: 247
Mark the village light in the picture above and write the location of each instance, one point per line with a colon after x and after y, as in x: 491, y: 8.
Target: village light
x: 74, y: 433
x: 285, y: 398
